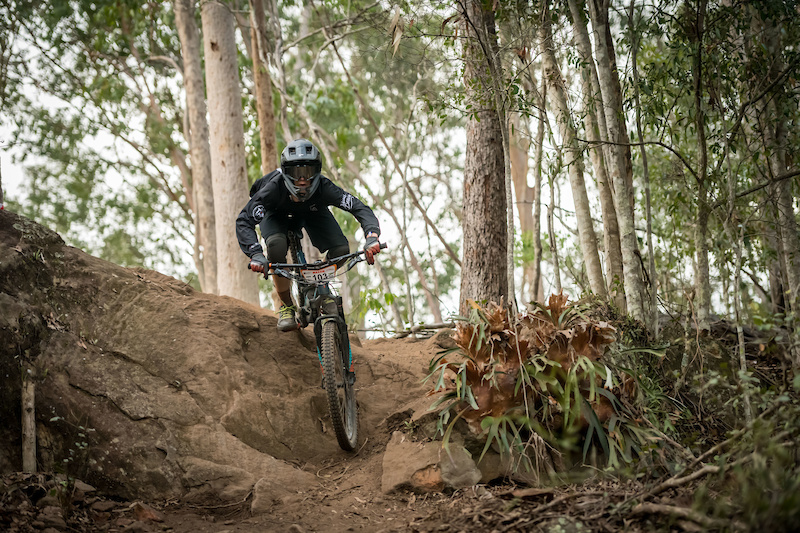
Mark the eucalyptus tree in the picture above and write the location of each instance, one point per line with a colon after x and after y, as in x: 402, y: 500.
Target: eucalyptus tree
x: 226, y: 138
x: 260, y: 54
x: 197, y: 137
x: 619, y: 161
x: 721, y: 135
x: 594, y: 124
x: 574, y: 162
x: 484, y: 273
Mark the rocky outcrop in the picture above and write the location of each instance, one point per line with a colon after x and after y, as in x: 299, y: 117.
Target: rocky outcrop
x: 146, y: 388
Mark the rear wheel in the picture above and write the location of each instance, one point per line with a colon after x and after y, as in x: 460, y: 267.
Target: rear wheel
x: 339, y: 389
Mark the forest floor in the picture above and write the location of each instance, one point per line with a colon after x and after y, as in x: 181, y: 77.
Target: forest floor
x: 348, y: 497
x: 667, y: 492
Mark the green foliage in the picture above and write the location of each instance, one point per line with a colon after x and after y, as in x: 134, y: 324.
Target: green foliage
x: 540, y: 375
x: 760, y: 483
x: 97, y: 122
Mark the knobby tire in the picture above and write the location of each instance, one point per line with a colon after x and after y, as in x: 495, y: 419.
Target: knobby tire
x: 341, y: 394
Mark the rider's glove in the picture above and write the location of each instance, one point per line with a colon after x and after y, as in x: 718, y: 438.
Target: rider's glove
x: 372, y: 247
x: 258, y: 262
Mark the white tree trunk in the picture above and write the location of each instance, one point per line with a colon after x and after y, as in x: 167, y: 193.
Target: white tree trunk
x: 537, y: 195
x: 646, y: 175
x: 197, y: 137
x: 574, y: 162
x: 228, y: 167
x: 593, y: 101
x: 612, y: 107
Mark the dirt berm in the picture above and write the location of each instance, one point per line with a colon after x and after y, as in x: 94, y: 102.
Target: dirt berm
x: 148, y: 389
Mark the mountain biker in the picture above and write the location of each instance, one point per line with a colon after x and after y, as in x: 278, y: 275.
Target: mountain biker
x: 297, y: 196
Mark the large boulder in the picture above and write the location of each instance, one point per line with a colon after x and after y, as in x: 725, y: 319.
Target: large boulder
x: 146, y: 388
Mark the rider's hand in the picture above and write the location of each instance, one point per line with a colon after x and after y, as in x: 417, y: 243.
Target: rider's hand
x: 371, y: 248
x: 258, y: 262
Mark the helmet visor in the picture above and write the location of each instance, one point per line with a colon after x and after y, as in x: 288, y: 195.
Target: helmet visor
x: 301, y: 172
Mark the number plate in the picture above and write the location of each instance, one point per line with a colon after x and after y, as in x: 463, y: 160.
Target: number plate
x: 323, y: 274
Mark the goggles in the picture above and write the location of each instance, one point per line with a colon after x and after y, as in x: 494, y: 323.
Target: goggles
x: 301, y: 172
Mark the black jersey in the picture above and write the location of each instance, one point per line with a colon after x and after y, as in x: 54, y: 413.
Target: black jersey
x: 269, y: 195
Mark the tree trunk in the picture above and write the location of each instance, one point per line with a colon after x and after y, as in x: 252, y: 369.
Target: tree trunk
x: 702, y: 274
x: 646, y: 175
x: 612, y: 109
x: 574, y: 162
x: 593, y: 125
x: 28, y: 422
x: 538, y: 286
x: 776, y: 139
x: 552, y: 233
x: 274, y: 20
x: 519, y: 144
x: 484, y: 267
x: 197, y: 137
x: 263, y: 87
x: 227, y: 150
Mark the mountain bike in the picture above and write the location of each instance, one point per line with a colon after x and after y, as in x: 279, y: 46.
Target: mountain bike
x: 318, y: 305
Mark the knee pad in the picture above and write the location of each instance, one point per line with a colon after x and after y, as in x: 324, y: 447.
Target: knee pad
x: 338, y: 251
x: 277, y: 246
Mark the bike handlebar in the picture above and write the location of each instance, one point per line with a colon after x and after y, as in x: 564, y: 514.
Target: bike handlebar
x: 283, y: 269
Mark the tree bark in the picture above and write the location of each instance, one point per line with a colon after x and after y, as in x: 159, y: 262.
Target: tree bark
x: 484, y: 266
x: 612, y: 109
x: 197, y: 137
x: 28, y: 423
x: 776, y: 139
x: 263, y: 87
x: 593, y: 101
x: 538, y: 287
x: 702, y: 274
x: 574, y: 162
x: 228, y: 171
x: 646, y: 175
x: 519, y: 145
x: 552, y: 233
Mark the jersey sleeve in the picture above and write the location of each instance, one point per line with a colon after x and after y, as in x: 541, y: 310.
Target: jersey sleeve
x: 337, y: 197
x: 246, y: 223
x: 262, y: 197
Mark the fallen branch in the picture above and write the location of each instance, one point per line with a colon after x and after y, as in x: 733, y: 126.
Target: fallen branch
x: 423, y: 327
x: 688, y: 514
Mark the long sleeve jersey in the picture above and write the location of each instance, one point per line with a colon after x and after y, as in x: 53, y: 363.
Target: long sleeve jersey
x: 269, y: 195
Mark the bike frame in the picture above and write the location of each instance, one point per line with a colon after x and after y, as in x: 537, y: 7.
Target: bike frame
x: 318, y: 305
x: 317, y: 275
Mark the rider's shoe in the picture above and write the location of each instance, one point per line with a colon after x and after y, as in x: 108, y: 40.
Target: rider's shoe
x: 286, y: 319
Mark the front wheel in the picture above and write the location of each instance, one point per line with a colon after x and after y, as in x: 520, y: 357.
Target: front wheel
x: 340, y: 391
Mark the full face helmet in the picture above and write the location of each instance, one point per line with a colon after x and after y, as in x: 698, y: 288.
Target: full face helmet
x: 301, y: 164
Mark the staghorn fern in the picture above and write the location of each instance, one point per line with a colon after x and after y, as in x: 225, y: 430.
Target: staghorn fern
x: 540, y: 375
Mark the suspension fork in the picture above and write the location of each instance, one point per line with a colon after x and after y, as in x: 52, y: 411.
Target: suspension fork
x: 339, y: 319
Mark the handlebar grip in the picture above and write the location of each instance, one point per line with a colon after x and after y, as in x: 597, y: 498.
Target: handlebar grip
x: 384, y: 246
